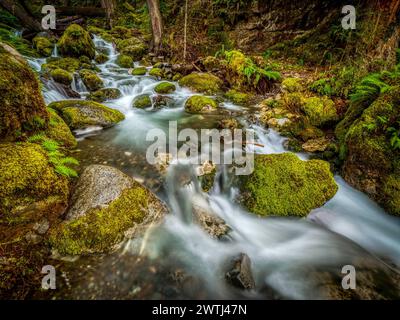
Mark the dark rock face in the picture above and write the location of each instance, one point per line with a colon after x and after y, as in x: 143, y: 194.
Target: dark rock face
x: 240, y: 275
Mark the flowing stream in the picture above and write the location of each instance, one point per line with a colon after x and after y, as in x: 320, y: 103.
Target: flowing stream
x: 285, y: 252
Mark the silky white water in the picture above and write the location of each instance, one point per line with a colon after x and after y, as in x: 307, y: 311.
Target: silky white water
x: 282, y: 250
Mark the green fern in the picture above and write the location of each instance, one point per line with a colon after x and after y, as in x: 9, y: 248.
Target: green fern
x: 65, y: 171
x: 50, y: 145
x: 36, y: 138
x: 369, y: 89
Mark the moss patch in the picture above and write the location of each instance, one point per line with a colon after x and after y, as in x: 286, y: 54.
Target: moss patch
x: 43, y: 46
x: 237, y: 97
x: 76, y: 42
x: 142, y: 101
x: 61, y: 76
x: 165, y: 88
x: 105, y: 94
x: 27, y: 177
x: 22, y: 108
x: 124, y: 61
x: 200, y: 104
x: 202, y: 82
x: 139, y: 71
x: 79, y: 114
x: 284, y: 185
x: 156, y: 72
x: 91, y: 80
x: 320, y: 111
x: 59, y: 131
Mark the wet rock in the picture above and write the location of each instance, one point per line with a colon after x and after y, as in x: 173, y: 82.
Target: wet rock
x: 284, y: 185
x: 106, y: 208
x: 105, y: 94
x: 41, y: 226
x: 80, y: 114
x: 202, y: 82
x: 200, y: 104
x: 76, y: 42
x: 316, y: 145
x: 160, y: 101
x: 91, y: 80
x: 142, y: 101
x: 240, y: 274
x: 165, y: 88
x: 206, y: 174
x: 209, y: 222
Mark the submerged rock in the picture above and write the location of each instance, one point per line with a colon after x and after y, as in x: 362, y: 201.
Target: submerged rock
x: 80, y: 114
x: 76, y: 42
x: 61, y: 76
x: 284, y: 185
x: 209, y: 222
x: 101, y: 58
x: 107, y: 207
x: 240, y: 274
x: 202, y: 82
x: 200, y: 104
x: 22, y: 108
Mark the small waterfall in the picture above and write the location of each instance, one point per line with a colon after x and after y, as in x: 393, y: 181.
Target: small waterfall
x: 55, y: 54
x: 78, y: 85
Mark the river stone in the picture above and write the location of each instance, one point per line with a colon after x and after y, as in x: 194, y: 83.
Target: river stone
x: 80, y: 114
x: 90, y: 190
x: 107, y: 208
x: 240, y: 274
x: 210, y: 223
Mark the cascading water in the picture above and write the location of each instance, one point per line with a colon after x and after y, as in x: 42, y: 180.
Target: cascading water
x: 282, y: 250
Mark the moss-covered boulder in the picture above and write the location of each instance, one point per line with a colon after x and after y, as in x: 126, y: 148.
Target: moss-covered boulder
x: 284, y: 185
x: 320, y: 111
x: 370, y: 153
x: 157, y: 73
x: 76, y: 42
x: 239, y: 98
x: 105, y: 94
x: 107, y: 207
x: 142, y: 101
x: 101, y: 58
x: 61, y: 76
x: 59, y: 131
x: 202, y: 82
x: 43, y: 46
x: 22, y: 108
x: 67, y: 64
x: 91, y: 80
x: 292, y: 85
x: 165, y: 88
x: 200, y: 104
x: 80, y: 114
x: 124, y: 61
x: 27, y: 178
x: 133, y: 47
x: 139, y: 71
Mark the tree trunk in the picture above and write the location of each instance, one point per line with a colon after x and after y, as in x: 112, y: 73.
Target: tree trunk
x: 156, y: 24
x: 109, y: 6
x: 18, y: 11
x: 185, y: 32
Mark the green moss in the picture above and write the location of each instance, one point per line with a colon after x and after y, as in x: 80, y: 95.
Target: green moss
x: 165, y: 88
x: 239, y: 98
x: 156, y: 72
x: 202, y: 82
x: 67, y: 64
x: 61, y: 76
x: 133, y: 47
x: 284, y: 185
x: 80, y: 114
x: 200, y: 104
x: 21, y: 101
x: 101, y: 229
x: 177, y: 77
x: 91, y: 80
x: 101, y: 58
x: 27, y: 177
x: 43, y: 46
x: 292, y: 85
x: 142, y: 101
x: 320, y: 111
x: 125, y: 61
x: 105, y: 94
x: 391, y: 189
x: 140, y: 71
x: 76, y: 42
x: 59, y: 131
